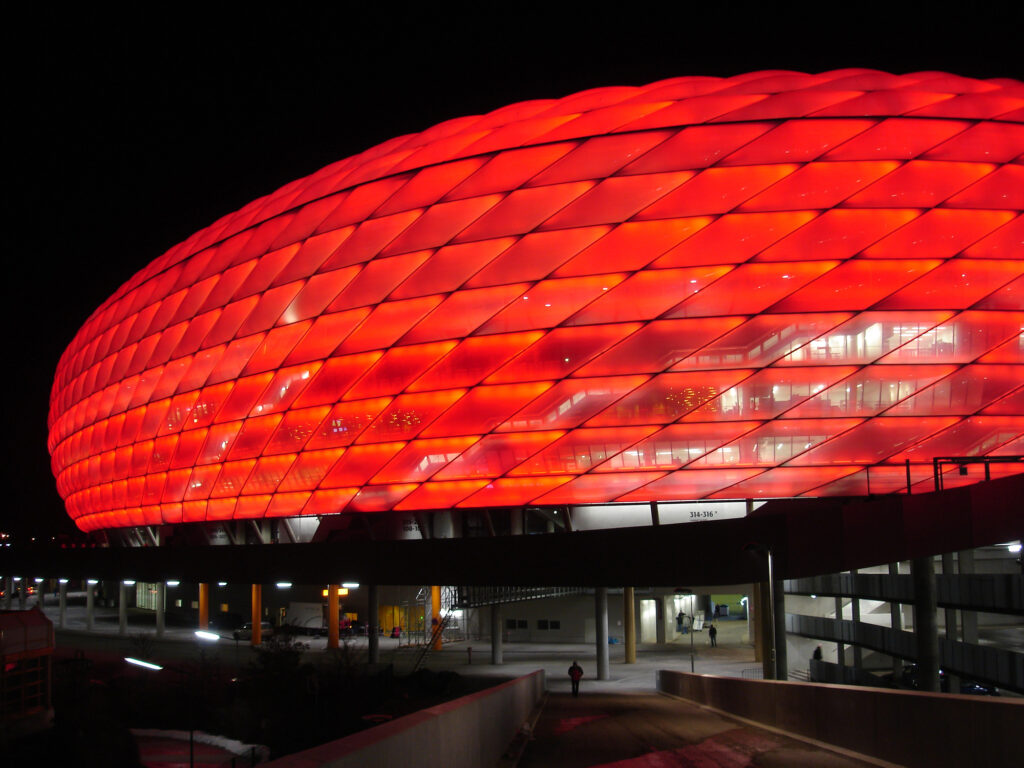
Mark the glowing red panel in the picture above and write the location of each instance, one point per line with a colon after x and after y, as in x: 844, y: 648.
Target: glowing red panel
x: 770, y: 284
x: 633, y: 245
x: 512, y: 491
x: 571, y: 402
x: 819, y: 185
x: 667, y: 397
x: 422, y: 458
x: 485, y: 407
x: 775, y: 443
x: 648, y: 294
x: 581, y: 450
x: 676, y: 445
x: 752, y: 288
x: 658, y: 345
x: 496, y: 454
x: 693, y: 484
x: 768, y: 393
x: 561, y: 352
x: 534, y: 256
x: 760, y: 340
x: 396, y: 369
x: 784, y: 481
x: 939, y: 233
x: 876, y: 440
x: 473, y: 359
x: 717, y: 190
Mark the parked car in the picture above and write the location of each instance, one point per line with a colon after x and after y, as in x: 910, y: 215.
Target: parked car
x: 245, y: 631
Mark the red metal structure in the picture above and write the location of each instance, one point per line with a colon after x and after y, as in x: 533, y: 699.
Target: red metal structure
x: 776, y: 284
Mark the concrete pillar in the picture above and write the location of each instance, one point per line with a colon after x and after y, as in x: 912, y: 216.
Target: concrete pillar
x: 949, y: 620
x: 122, y: 608
x: 8, y: 592
x: 779, y: 613
x: 601, y: 625
x: 840, y: 648
x: 926, y: 631
x: 62, y: 602
x: 257, y: 614
x: 661, y: 634
x: 497, y: 636
x: 763, y: 629
x: 373, y: 623
x: 161, y: 606
x: 515, y: 521
x: 435, y: 615
x: 968, y: 619
x: 858, y: 656
x: 204, y: 606
x: 332, y: 615
x: 23, y: 594
x: 629, y: 623
x: 895, y: 621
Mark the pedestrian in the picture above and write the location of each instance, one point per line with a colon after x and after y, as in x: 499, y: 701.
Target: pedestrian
x: 679, y: 621
x: 817, y: 654
x: 575, y: 673
x: 712, y: 635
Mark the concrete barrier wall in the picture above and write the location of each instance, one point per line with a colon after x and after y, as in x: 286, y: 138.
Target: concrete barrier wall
x: 905, y: 727
x: 465, y: 733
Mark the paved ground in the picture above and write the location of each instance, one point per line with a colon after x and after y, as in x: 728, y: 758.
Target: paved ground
x: 617, y: 722
x: 652, y: 731
x: 732, y: 657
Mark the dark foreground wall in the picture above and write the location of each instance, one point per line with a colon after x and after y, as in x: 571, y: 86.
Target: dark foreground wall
x: 905, y: 727
x: 465, y: 733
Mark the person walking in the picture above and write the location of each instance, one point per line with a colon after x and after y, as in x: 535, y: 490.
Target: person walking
x: 575, y: 673
x: 713, y: 635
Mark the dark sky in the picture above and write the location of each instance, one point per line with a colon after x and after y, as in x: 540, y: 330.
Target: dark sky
x: 127, y: 134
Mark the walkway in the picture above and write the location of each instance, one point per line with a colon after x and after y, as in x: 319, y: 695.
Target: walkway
x: 652, y: 731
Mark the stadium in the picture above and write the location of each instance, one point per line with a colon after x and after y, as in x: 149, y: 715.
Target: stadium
x: 758, y: 314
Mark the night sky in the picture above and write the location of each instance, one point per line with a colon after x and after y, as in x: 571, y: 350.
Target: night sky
x: 127, y: 134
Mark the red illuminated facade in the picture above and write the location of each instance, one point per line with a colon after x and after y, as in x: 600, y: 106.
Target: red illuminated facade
x: 776, y: 284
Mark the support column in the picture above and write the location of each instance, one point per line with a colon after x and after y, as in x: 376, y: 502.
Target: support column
x: 62, y: 602
x: 779, y: 614
x: 949, y: 619
x: 629, y: 623
x: 204, y: 606
x: 764, y: 629
x: 435, y: 615
x: 332, y: 615
x: 373, y: 623
x: 8, y: 592
x: 122, y: 608
x: 497, y: 636
x: 840, y: 648
x: 23, y: 594
x: 926, y: 631
x: 601, y: 627
x: 257, y: 614
x: 858, y: 656
x: 161, y: 600
x: 895, y: 621
x: 90, y: 604
x: 968, y: 619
